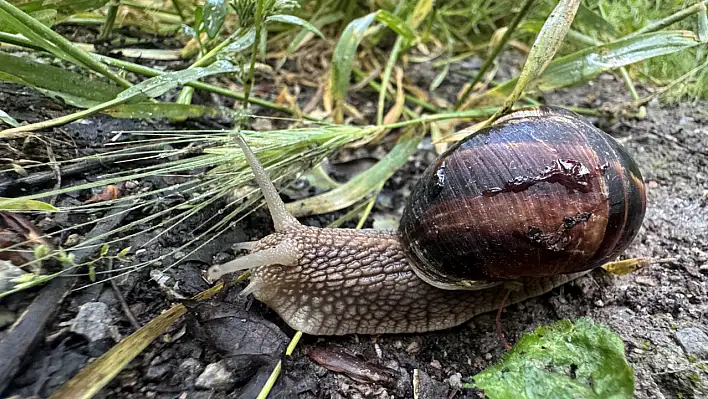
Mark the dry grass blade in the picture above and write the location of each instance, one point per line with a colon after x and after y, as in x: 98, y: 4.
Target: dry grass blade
x: 91, y: 379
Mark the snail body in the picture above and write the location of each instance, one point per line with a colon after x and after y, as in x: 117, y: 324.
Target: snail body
x: 538, y: 199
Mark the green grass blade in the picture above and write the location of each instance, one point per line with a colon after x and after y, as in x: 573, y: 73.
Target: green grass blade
x: 157, y: 86
x: 543, y: 50
x: 293, y: 20
x: 343, y: 57
x: 363, y: 184
x: 53, y: 42
x: 76, y: 89
x: 585, y: 64
x: 213, y: 16
x: 396, y: 24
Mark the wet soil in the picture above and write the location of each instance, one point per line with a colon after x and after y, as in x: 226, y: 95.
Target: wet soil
x: 648, y: 308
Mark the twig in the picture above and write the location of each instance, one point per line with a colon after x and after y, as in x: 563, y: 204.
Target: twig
x: 27, y: 331
x: 123, y: 304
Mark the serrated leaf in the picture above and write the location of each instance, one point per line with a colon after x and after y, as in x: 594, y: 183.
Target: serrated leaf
x: 242, y: 42
x: 578, y: 359
x: 159, y: 85
x: 19, y: 204
x: 293, y: 20
x: 213, y: 16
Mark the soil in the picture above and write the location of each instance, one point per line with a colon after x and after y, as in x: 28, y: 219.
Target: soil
x: 647, y: 308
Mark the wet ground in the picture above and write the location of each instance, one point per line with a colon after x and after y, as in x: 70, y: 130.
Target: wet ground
x: 229, y: 349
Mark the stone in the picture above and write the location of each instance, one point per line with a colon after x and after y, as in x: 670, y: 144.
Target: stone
x: 215, y: 376
x: 191, y: 366
x: 455, y: 381
x: 94, y: 322
x: 694, y: 342
x: 157, y: 371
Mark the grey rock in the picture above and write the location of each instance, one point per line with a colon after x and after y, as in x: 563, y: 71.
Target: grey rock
x: 191, y: 366
x: 694, y: 341
x: 157, y: 371
x: 215, y: 376
x: 94, y: 322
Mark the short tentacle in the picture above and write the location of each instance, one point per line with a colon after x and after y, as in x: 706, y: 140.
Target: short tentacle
x: 282, y: 219
x: 285, y: 254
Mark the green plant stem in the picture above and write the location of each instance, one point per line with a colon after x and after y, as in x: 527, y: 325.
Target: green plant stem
x: 392, y: 59
x: 671, y: 19
x: 65, y: 46
x: 110, y: 19
x: 490, y: 60
x: 147, y: 71
x: 472, y: 113
x: 263, y: 394
x: 20, y: 131
x: 254, y: 53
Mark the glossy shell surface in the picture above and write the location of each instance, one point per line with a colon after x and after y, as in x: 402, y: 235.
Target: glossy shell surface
x: 539, y: 193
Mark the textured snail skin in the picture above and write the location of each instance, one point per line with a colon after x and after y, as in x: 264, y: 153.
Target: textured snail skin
x: 539, y: 193
x: 344, y: 281
x: 359, y: 282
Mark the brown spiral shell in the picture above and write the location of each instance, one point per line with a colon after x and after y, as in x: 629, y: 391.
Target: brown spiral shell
x: 541, y: 192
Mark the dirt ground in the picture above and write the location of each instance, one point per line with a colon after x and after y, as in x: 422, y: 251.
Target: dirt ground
x: 651, y: 309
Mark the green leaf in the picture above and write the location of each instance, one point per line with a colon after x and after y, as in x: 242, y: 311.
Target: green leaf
x: 104, y: 249
x: 578, y: 359
x: 344, y: 54
x: 242, y: 42
x: 63, y: 9
x: 159, y: 85
x: 40, y: 35
x: 543, y: 49
x: 213, y: 16
x: 19, y: 204
x: 362, y: 184
x: 8, y: 119
x: 293, y: 20
x: 588, y: 63
x: 396, y: 24
x: 74, y: 88
x: 123, y: 252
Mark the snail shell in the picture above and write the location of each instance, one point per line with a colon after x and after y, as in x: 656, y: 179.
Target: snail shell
x: 541, y: 192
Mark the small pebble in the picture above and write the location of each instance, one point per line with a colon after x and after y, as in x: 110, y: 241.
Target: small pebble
x: 413, y: 347
x: 215, y: 376
x: 435, y: 364
x: 94, y: 322
x: 455, y: 380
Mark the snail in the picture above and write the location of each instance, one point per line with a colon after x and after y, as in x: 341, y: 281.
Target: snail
x: 535, y: 200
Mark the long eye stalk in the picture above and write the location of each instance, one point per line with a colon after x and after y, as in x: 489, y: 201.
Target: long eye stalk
x: 282, y: 219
